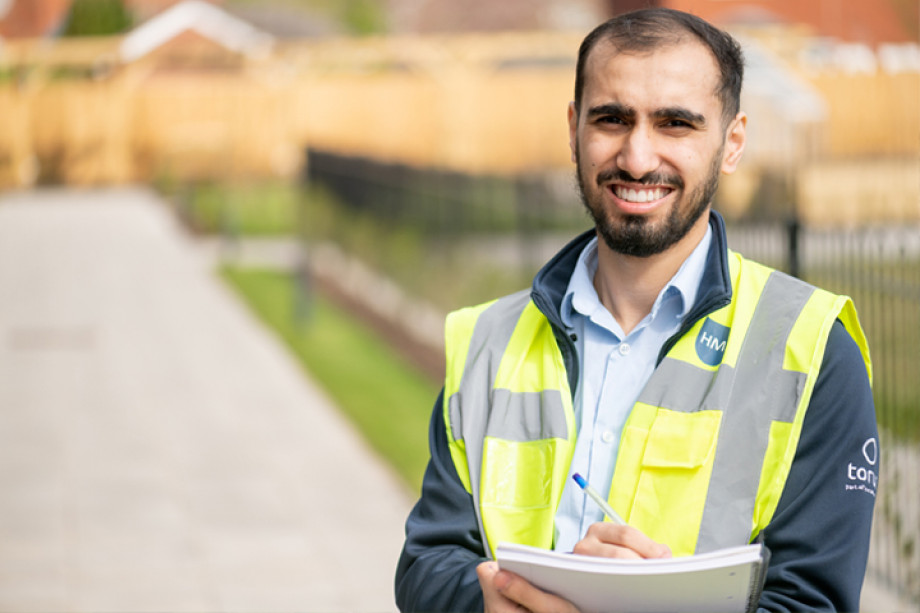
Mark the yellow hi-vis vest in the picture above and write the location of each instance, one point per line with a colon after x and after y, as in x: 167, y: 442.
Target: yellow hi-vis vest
x: 707, y: 447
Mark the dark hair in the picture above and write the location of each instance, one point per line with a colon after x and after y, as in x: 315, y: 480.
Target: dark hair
x: 648, y: 29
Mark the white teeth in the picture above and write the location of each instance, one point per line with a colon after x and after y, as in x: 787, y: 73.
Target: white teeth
x: 640, y: 196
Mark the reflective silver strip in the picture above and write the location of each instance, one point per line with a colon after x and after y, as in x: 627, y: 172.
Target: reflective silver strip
x: 491, y: 335
x: 468, y: 408
x: 527, y: 416
x: 762, y: 393
x: 685, y: 388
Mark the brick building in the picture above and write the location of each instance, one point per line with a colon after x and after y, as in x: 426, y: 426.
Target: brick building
x: 32, y: 18
x: 857, y: 21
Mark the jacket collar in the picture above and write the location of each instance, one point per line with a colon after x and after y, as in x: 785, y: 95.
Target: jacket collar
x: 550, y: 283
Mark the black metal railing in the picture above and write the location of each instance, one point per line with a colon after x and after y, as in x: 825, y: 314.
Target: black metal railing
x: 879, y: 267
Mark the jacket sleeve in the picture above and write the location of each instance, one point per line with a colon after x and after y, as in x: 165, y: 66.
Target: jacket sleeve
x: 819, y: 536
x: 437, y: 568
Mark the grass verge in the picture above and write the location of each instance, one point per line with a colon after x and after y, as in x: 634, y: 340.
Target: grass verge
x: 385, y: 397
x: 267, y: 208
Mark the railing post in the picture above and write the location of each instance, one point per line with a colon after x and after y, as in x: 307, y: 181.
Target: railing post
x: 793, y: 232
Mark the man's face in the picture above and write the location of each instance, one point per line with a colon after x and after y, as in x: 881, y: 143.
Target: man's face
x: 649, y: 144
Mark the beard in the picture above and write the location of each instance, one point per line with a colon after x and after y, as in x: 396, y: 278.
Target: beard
x: 636, y: 235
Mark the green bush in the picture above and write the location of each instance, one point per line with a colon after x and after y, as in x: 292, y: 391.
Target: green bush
x: 97, y: 18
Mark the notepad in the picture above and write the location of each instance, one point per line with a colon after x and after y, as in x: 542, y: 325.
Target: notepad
x: 724, y: 581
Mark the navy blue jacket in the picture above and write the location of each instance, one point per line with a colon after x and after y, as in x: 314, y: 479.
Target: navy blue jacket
x: 819, y: 535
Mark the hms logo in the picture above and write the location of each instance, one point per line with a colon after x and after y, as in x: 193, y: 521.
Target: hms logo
x: 711, y: 341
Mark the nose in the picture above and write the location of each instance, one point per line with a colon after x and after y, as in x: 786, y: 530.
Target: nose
x: 637, y: 154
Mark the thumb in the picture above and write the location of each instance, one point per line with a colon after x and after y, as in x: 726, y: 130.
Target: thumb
x: 491, y: 573
x: 487, y: 570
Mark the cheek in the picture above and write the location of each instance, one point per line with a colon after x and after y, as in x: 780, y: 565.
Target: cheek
x: 597, y: 152
x: 691, y: 161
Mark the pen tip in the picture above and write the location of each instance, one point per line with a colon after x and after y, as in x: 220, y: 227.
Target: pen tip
x: 579, y: 480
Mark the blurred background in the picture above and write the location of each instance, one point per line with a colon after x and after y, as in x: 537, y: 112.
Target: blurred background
x: 354, y: 169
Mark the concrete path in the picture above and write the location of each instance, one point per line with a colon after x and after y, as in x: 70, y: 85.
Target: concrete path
x: 159, y: 451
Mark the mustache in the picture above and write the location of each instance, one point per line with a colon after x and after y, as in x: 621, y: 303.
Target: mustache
x: 652, y: 178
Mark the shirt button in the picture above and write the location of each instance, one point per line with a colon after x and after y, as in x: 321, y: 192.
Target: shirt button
x: 624, y: 349
x: 607, y: 436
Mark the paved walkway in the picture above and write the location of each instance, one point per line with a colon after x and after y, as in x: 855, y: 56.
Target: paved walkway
x: 159, y: 451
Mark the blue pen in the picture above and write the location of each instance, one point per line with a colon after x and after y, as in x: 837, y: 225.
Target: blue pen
x: 606, y: 508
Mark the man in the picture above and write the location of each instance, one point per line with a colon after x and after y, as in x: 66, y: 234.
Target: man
x: 714, y: 401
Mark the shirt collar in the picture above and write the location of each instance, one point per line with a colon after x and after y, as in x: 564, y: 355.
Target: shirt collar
x: 581, y: 297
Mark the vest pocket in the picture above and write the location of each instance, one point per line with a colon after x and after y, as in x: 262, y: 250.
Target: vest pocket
x: 520, y: 482
x: 673, y: 480
x: 517, y: 474
x: 682, y: 440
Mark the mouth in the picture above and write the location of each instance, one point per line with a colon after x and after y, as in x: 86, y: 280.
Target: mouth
x: 639, y: 195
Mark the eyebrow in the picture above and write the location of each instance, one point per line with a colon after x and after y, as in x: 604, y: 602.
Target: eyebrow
x: 627, y: 112
x: 678, y: 112
x: 613, y: 108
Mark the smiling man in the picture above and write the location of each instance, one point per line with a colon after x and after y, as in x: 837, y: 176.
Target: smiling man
x: 715, y: 402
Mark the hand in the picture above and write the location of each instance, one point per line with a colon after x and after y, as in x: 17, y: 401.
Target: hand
x: 609, y: 540
x: 503, y: 591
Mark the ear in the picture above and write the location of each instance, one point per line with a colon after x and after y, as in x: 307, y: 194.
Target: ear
x: 573, y: 129
x: 735, y: 138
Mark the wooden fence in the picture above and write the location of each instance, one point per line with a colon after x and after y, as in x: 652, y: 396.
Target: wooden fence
x: 478, y: 103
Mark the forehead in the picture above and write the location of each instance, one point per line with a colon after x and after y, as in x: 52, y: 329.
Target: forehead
x: 684, y: 73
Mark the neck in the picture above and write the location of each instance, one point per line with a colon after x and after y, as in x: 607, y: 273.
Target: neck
x: 628, y: 286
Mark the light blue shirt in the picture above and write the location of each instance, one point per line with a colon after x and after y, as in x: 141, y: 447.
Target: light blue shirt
x: 614, y: 369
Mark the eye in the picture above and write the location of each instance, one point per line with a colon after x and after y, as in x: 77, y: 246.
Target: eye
x: 678, y: 123
x: 611, y: 120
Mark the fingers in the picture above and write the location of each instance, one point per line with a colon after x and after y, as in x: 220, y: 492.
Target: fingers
x: 504, y: 592
x: 609, y: 540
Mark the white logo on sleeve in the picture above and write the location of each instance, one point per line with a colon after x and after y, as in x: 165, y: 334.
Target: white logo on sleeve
x: 870, y: 451
x: 863, y: 477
